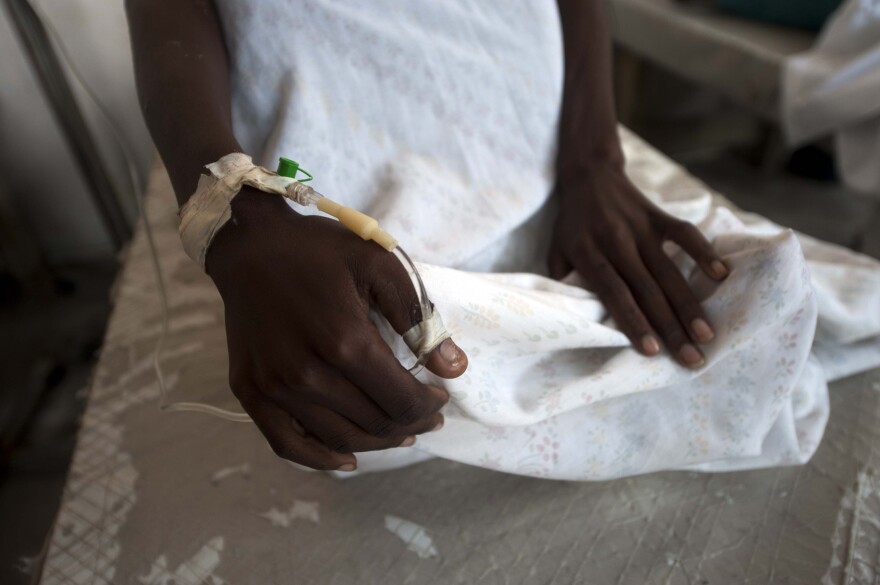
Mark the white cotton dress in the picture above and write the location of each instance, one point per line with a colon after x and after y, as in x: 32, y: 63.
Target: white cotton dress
x: 440, y: 119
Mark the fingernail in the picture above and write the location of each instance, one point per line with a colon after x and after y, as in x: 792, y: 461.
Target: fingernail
x: 438, y: 427
x: 347, y: 467
x: 650, y: 345
x: 719, y: 269
x: 408, y: 442
x: 691, y: 355
x: 450, y: 352
x: 702, y: 330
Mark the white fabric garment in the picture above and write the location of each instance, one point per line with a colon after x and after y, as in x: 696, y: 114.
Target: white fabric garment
x: 834, y: 89
x: 439, y: 119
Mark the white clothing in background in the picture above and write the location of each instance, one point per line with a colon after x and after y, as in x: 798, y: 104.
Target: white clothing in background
x: 439, y: 119
x: 834, y: 89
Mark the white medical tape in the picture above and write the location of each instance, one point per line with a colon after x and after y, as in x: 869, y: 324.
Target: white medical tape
x: 209, y: 208
x: 426, y: 336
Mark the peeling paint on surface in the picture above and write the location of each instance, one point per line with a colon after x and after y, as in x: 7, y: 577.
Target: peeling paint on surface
x: 221, y: 474
x: 300, y: 510
x: 723, y: 495
x: 197, y: 570
x: 857, y: 529
x: 101, y: 487
x: 415, y: 536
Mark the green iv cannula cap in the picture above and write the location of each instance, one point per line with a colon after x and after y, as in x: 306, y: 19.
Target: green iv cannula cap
x: 290, y: 168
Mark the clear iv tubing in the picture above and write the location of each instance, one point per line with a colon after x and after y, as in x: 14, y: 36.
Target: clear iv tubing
x: 216, y: 411
x: 134, y: 176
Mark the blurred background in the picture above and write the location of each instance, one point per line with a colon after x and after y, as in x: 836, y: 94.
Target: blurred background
x: 708, y: 82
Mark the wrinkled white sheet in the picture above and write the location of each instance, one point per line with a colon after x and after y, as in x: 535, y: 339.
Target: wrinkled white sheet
x: 834, y: 89
x: 554, y: 392
x: 439, y: 119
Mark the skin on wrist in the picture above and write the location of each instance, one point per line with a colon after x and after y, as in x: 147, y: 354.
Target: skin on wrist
x: 182, y: 77
x: 578, y: 168
x: 254, y: 213
x: 588, y: 122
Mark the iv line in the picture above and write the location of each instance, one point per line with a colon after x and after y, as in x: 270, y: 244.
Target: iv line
x: 359, y: 219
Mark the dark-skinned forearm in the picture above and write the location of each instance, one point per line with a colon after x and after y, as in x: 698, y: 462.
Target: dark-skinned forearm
x: 182, y: 74
x: 588, y: 121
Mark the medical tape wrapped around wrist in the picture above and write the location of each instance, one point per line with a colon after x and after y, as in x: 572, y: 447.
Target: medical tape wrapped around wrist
x: 209, y: 209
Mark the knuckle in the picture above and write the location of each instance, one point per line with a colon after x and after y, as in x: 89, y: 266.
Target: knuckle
x: 274, y: 392
x: 669, y: 222
x: 303, y: 380
x: 671, y: 332
x: 344, y: 350
x: 602, y: 267
x: 685, y: 308
x: 672, y: 223
x: 281, y: 449
x: 382, y: 427
x: 632, y: 318
x: 666, y: 268
x: 582, y: 248
x: 342, y: 442
x: 667, y: 271
x: 613, y: 294
x: 306, y: 459
x: 377, y: 259
x: 622, y: 239
x: 321, y: 464
x: 658, y: 218
x: 612, y: 233
x: 644, y: 288
x: 388, y: 271
x: 403, y: 297
x: 410, y: 410
x: 685, y: 230
x: 429, y: 423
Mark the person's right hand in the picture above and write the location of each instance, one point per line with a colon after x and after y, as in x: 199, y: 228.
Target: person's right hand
x: 305, y: 361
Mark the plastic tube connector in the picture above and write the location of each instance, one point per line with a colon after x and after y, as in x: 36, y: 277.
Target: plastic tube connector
x: 290, y: 168
x: 360, y: 223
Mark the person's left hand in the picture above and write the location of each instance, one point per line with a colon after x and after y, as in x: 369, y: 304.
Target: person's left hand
x: 613, y: 236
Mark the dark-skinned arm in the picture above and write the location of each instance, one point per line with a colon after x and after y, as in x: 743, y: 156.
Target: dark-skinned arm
x: 182, y: 74
x: 607, y: 230
x: 304, y: 359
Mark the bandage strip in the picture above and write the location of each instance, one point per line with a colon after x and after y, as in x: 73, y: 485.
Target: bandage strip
x: 426, y: 335
x: 209, y: 208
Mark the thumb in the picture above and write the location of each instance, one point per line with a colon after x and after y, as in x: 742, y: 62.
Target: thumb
x: 447, y: 360
x: 394, y: 295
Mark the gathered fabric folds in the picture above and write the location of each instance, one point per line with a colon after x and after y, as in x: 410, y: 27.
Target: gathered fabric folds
x: 554, y: 392
x: 439, y: 120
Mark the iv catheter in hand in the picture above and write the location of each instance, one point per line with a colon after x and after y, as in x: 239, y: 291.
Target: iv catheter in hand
x: 360, y: 223
x: 421, y: 339
x: 426, y: 335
